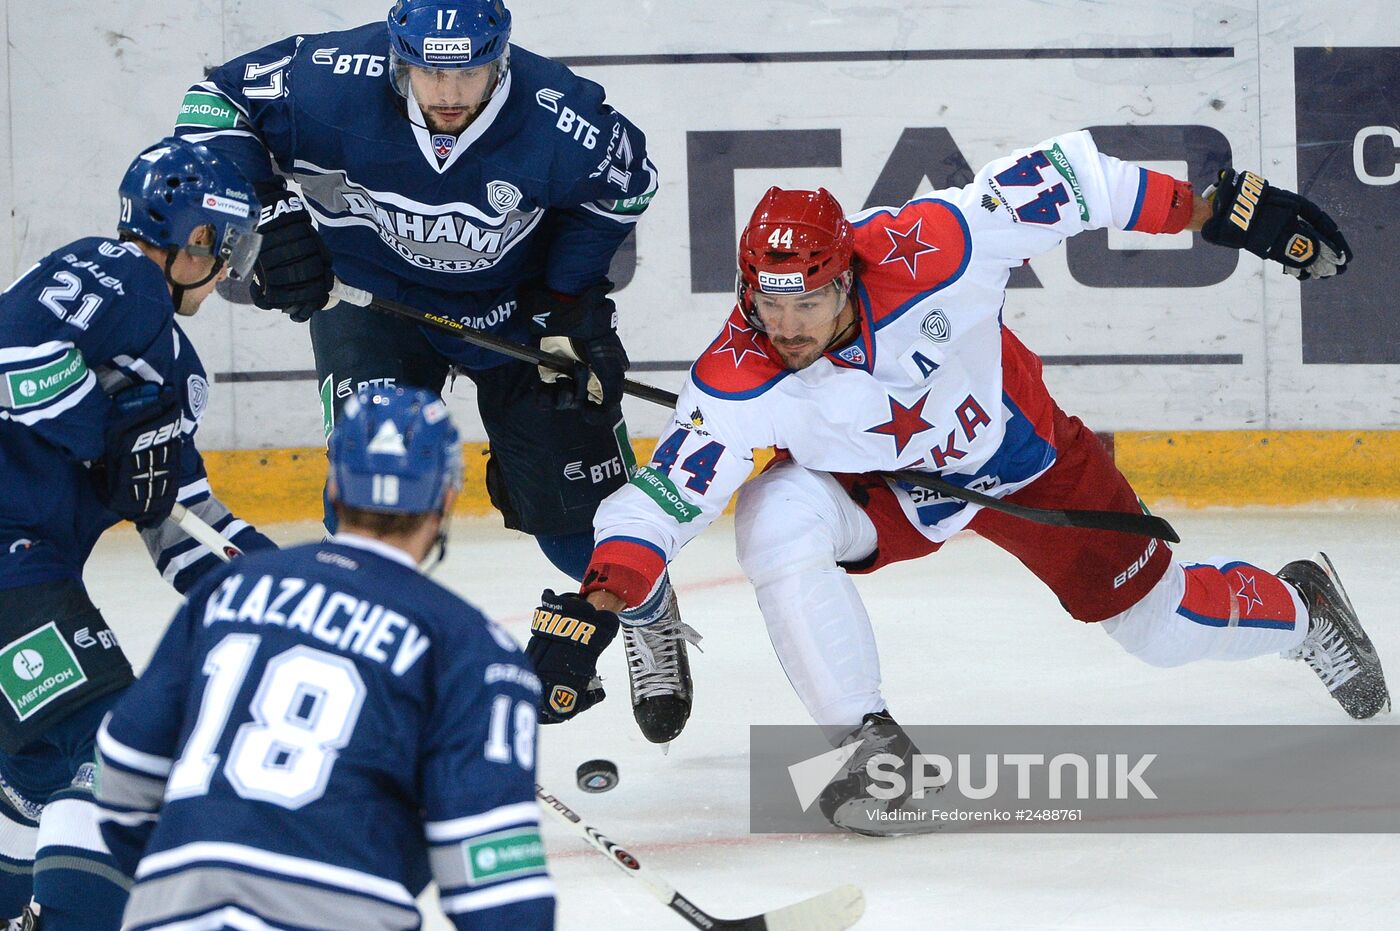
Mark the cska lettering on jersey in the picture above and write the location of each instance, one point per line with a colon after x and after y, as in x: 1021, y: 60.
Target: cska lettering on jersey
x: 339, y: 620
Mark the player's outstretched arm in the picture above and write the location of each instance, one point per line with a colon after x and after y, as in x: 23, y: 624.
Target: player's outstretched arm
x: 242, y: 109
x: 1243, y: 211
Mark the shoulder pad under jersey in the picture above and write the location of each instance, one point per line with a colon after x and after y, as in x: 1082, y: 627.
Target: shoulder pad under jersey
x: 738, y: 364
x: 909, y: 253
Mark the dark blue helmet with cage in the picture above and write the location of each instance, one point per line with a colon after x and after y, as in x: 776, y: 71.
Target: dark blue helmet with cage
x: 173, y: 188
x: 448, y: 34
x: 394, y: 450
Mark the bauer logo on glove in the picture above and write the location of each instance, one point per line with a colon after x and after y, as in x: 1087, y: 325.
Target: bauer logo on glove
x: 1249, y: 213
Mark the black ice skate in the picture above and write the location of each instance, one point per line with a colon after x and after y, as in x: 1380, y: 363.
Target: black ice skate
x: 1336, y: 646
x: 847, y: 801
x: 659, y: 673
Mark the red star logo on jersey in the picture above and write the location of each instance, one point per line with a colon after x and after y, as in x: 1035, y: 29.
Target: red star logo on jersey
x: 906, y: 247
x: 739, y: 341
x: 1248, y: 593
x: 904, y: 422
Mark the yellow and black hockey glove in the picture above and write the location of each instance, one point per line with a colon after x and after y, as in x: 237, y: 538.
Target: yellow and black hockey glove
x: 567, y: 636
x: 1249, y: 213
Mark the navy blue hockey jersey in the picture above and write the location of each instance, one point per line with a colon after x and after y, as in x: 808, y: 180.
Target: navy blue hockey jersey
x: 544, y: 184
x: 323, y: 726
x: 84, y: 322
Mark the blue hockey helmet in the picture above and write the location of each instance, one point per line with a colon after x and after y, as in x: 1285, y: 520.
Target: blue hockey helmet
x: 394, y: 450
x: 448, y: 34
x: 175, y: 187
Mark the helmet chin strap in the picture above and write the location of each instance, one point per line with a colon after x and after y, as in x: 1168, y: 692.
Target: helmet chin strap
x: 438, y: 551
x: 838, y: 337
x: 177, y: 289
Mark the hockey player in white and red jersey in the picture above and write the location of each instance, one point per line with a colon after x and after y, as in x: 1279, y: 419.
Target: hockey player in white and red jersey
x: 876, y: 343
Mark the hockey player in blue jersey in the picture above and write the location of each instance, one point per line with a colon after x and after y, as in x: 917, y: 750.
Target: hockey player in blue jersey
x: 449, y: 170
x: 324, y: 727
x: 100, y: 397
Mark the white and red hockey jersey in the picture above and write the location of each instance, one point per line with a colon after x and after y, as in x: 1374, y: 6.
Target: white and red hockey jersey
x: 934, y: 381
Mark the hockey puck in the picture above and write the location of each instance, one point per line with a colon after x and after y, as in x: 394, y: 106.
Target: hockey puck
x: 597, y: 775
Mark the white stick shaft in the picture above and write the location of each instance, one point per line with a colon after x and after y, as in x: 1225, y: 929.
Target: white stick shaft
x: 192, y: 524
x: 619, y: 857
x: 341, y: 291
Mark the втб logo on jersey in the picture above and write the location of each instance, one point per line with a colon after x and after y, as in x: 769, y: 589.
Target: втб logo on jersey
x: 455, y: 238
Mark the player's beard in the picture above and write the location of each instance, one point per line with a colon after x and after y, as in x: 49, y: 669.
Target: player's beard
x: 797, y: 354
x: 453, y: 127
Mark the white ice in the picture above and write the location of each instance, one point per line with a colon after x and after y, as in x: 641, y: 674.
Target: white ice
x: 966, y: 636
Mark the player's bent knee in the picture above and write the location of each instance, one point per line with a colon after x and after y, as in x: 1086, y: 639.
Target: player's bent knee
x: 1143, y: 637
x: 1152, y: 631
x: 784, y: 523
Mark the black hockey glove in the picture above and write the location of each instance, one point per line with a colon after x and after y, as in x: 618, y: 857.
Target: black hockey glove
x: 1249, y: 213
x: 293, y: 272
x: 140, y: 470
x: 584, y: 329
x: 567, y: 636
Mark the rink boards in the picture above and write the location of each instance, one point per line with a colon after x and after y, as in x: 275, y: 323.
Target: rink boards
x: 1191, y: 468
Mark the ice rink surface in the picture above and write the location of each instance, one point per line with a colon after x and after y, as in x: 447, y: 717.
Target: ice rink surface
x: 966, y: 636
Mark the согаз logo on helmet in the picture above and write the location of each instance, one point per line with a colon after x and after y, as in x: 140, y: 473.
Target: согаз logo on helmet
x: 772, y: 283
x: 447, y: 51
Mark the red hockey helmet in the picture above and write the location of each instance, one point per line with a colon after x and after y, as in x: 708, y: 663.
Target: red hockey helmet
x: 795, y: 242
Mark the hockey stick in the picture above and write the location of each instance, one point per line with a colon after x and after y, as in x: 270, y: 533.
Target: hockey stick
x: 831, y: 911
x: 343, y: 292
x: 220, y: 545
x: 1147, y: 525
